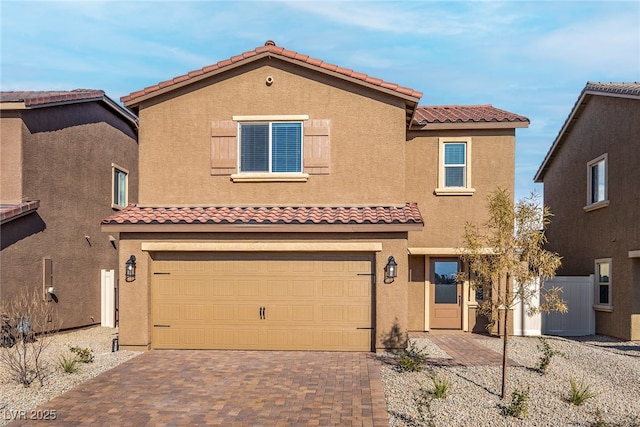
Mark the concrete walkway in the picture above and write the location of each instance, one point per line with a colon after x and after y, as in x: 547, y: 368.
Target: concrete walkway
x: 228, y: 388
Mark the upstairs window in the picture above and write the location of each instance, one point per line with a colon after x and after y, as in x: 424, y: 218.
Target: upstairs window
x: 271, y: 147
x: 455, y: 164
x: 454, y: 174
x: 597, y: 181
x: 119, y: 186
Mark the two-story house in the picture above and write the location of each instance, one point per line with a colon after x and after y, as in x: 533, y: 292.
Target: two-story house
x: 289, y: 203
x: 591, y: 177
x: 67, y: 160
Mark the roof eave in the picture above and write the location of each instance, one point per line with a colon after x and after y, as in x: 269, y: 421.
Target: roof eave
x: 473, y: 125
x: 566, y: 128
x: 260, y: 228
x: 135, y: 102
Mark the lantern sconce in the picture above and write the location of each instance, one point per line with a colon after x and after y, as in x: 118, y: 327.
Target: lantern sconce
x: 130, y: 269
x: 390, y: 270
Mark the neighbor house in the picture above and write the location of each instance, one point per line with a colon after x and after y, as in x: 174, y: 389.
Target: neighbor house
x: 591, y: 179
x: 288, y: 203
x: 67, y: 160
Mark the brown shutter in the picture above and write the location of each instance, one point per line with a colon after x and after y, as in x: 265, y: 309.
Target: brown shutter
x: 224, y: 147
x: 317, y: 147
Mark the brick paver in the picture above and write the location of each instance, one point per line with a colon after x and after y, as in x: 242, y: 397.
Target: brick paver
x: 465, y: 349
x: 228, y: 388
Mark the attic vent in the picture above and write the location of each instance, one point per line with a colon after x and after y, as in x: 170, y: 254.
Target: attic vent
x: 269, y: 43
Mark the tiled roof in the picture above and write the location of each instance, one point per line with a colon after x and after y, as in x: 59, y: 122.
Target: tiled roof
x: 632, y: 88
x: 407, y: 214
x: 13, y: 211
x: 464, y: 114
x: 271, y: 48
x: 32, y: 98
x: 591, y: 89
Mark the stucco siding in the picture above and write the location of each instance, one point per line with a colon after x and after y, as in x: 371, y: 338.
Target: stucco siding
x: 366, y: 131
x: 10, y: 158
x: 608, y: 125
x: 68, y: 154
x: 492, y: 166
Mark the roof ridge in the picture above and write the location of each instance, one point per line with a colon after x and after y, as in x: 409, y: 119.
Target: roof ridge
x: 271, y: 47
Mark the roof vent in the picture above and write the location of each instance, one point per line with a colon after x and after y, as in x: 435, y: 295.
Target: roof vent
x: 269, y: 43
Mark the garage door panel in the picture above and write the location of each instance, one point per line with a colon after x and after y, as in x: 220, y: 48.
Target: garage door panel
x: 312, y: 301
x: 302, y: 313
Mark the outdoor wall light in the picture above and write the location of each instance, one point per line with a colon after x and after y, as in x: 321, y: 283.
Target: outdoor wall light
x: 130, y: 270
x: 390, y: 270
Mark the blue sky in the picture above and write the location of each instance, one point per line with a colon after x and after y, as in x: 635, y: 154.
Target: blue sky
x: 529, y: 57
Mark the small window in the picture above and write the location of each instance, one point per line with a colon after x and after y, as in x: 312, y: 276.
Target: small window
x: 120, y: 184
x: 603, y: 283
x: 271, y: 147
x: 597, y: 193
x: 454, y: 176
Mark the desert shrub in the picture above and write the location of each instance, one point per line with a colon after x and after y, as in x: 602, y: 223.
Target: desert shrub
x: 28, y: 322
x: 68, y: 364
x: 83, y: 355
x: 519, y: 405
x: 441, y: 386
x: 579, y: 393
x: 547, y: 355
x: 412, y: 359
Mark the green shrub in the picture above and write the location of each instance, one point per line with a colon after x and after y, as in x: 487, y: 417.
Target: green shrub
x: 422, y: 398
x: 547, y: 354
x: 519, y: 406
x: 83, y: 355
x: 579, y: 393
x: 412, y: 359
x: 68, y: 364
x: 441, y: 386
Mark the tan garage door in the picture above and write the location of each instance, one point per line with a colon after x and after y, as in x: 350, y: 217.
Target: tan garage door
x: 262, y: 301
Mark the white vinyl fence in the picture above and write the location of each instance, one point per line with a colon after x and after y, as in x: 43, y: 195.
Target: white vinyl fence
x: 580, y: 320
x: 523, y: 324
x: 107, y: 300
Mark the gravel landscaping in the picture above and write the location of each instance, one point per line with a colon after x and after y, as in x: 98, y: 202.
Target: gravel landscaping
x: 15, y: 397
x: 611, y: 369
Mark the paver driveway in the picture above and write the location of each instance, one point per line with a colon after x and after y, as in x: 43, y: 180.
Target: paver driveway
x: 229, y: 388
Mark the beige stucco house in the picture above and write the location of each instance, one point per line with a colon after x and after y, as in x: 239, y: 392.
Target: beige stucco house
x: 67, y: 160
x: 591, y: 179
x: 288, y: 203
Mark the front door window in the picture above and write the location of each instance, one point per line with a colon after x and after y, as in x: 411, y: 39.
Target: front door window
x: 445, y: 281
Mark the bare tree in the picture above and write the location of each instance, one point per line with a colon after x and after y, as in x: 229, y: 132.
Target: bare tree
x: 509, y: 249
x: 28, y: 321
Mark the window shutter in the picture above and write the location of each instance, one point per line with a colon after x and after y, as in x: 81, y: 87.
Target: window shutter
x: 224, y: 147
x: 317, y: 147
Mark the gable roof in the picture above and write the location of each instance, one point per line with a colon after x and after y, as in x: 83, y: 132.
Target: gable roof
x: 248, y: 218
x: 468, y: 116
x: 26, y: 100
x: 615, y: 90
x: 271, y: 50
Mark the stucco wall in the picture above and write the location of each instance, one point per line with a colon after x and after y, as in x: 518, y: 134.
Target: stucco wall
x: 10, y: 158
x: 607, y: 125
x: 367, y: 138
x: 492, y: 166
x: 68, y: 152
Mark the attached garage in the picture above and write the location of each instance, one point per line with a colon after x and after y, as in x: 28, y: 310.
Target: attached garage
x: 262, y: 301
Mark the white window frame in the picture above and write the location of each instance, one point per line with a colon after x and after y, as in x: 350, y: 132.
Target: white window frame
x: 598, y: 305
x: 269, y: 176
x: 114, y: 203
x: 591, y: 205
x: 467, y: 189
